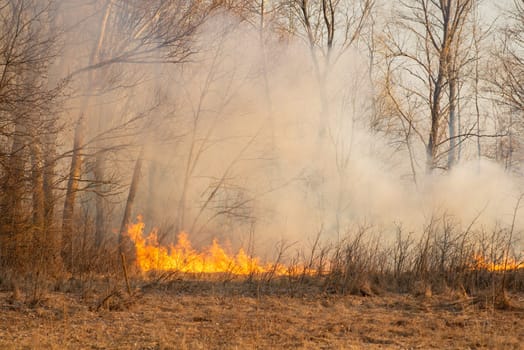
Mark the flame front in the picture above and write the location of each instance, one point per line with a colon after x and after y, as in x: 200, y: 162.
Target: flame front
x: 150, y: 255
x: 509, y: 264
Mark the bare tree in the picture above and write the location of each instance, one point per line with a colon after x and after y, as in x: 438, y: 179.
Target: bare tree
x: 27, y: 107
x: 330, y: 27
x: 427, y: 53
x: 507, y: 75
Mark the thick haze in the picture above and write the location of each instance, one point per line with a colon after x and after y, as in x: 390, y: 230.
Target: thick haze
x: 227, y: 156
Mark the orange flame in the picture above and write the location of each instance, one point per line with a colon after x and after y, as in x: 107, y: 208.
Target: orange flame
x: 150, y: 255
x: 509, y: 264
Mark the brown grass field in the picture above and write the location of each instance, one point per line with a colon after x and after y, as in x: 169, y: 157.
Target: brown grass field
x: 185, y: 314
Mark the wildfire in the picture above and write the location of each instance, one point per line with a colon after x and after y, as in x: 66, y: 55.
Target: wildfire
x: 509, y: 264
x: 150, y: 255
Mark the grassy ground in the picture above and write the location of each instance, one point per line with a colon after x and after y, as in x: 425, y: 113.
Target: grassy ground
x: 217, y: 315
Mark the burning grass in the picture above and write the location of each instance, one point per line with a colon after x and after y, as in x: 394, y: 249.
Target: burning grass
x: 150, y: 255
x: 359, y: 264
x: 506, y: 264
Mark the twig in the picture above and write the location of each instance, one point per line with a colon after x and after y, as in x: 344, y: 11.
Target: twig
x: 125, y: 273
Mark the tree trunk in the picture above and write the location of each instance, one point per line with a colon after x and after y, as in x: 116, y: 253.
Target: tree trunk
x: 125, y: 245
x: 431, y: 150
x: 41, y: 247
x: 152, y: 191
x: 452, y: 123
x: 72, y: 188
x: 76, y: 160
x: 319, y: 75
x: 100, y: 222
x: 37, y: 167
x: 52, y: 231
x: 432, y: 146
x: 99, y: 185
x: 12, y: 195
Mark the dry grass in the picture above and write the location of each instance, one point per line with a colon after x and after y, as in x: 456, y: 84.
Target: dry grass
x: 184, y: 314
x: 416, y: 294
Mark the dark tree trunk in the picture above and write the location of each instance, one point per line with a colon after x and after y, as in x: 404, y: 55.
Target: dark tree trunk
x: 72, y: 188
x: 100, y: 222
x: 452, y: 122
x: 125, y: 244
x: 13, y: 188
